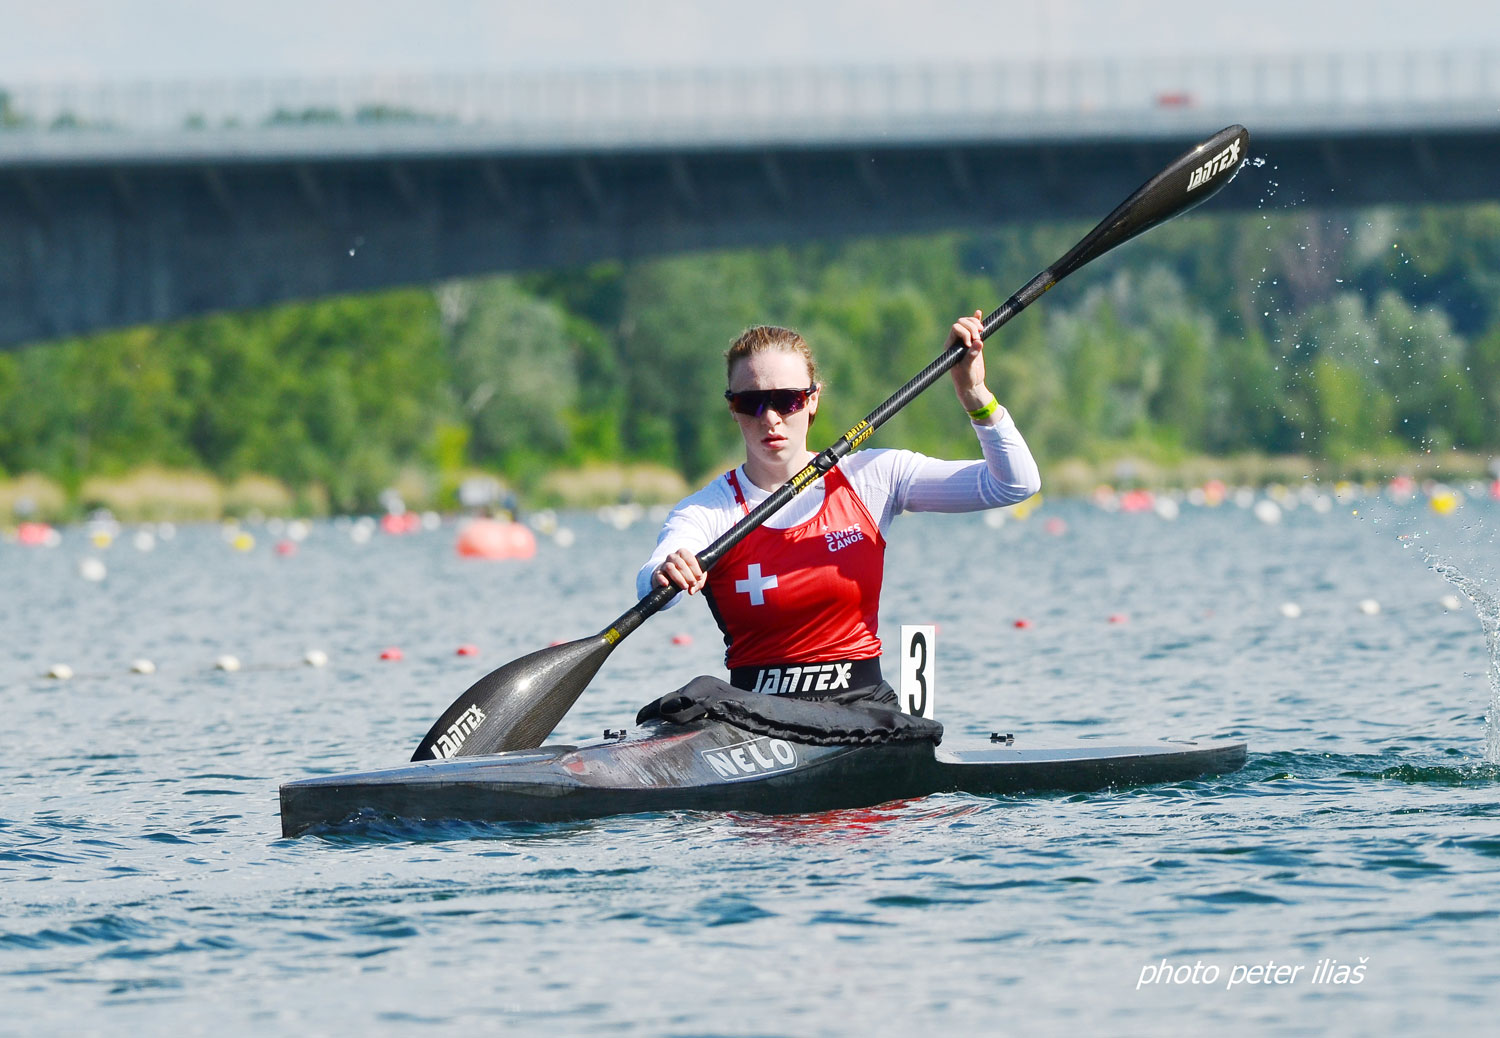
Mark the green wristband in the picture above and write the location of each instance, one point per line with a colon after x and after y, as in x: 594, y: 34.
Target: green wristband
x: 981, y: 413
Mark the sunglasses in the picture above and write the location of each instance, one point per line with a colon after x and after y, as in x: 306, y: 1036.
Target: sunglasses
x: 754, y: 402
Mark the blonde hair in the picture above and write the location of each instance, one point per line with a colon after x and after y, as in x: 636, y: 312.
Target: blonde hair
x: 764, y: 338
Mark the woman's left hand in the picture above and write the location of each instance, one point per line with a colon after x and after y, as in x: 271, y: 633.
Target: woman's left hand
x: 968, y: 373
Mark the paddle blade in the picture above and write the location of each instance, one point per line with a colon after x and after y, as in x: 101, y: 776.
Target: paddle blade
x: 518, y: 705
x: 1192, y: 178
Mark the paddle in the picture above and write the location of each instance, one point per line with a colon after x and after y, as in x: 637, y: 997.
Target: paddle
x: 518, y: 705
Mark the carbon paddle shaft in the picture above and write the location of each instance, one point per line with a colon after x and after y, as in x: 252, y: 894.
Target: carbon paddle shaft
x: 1192, y: 178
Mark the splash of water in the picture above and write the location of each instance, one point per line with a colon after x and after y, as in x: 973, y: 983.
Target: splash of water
x: 1488, y: 609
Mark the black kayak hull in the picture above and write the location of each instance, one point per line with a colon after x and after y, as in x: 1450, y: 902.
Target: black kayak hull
x: 712, y: 766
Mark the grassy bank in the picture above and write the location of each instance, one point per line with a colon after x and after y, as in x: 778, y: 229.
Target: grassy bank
x: 153, y: 494
x: 1076, y: 477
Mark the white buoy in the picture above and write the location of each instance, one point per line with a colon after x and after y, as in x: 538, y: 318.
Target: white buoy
x: 564, y: 537
x: 143, y: 667
x: 60, y: 671
x: 1268, y: 511
x: 362, y: 530
x: 144, y: 540
x: 90, y: 568
x: 297, y: 530
x: 227, y: 663
x: 165, y: 531
x: 1291, y: 610
x: 1166, y: 508
x: 1452, y: 603
x: 994, y: 518
x: 431, y: 521
x: 315, y: 658
x: 1369, y: 606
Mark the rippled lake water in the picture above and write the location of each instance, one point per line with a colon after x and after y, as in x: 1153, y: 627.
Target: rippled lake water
x: 145, y: 886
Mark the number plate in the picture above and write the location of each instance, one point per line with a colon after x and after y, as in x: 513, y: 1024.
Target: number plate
x: 918, y: 669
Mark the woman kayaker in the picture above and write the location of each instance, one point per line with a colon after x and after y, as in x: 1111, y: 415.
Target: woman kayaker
x: 798, y: 599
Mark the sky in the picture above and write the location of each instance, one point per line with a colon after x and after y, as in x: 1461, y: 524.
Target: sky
x: 78, y: 41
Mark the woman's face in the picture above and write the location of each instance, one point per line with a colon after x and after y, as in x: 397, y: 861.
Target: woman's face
x: 772, y: 437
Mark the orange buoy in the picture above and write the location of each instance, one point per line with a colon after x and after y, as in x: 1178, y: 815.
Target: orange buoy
x: 493, y: 539
x: 392, y: 653
x: 1119, y: 618
x: 1023, y: 623
x: 682, y: 639
x: 467, y: 650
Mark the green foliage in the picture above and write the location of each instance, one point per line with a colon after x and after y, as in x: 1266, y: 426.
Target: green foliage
x: 1330, y: 334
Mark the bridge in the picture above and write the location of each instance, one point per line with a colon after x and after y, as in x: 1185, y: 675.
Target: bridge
x: 126, y: 204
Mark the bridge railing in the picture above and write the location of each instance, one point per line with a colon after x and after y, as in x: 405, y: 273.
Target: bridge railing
x: 719, y: 100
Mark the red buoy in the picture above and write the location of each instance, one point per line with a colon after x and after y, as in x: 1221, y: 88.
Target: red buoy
x: 467, y: 650
x: 392, y: 653
x: 682, y: 639
x: 401, y: 523
x: 34, y: 534
x: 1023, y: 623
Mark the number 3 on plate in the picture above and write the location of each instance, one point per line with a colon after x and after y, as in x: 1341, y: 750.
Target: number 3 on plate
x: 918, y: 669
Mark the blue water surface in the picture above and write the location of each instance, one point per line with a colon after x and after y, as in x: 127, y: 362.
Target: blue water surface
x: 145, y: 885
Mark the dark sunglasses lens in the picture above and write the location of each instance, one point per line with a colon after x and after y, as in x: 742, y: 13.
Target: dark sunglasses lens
x: 754, y: 401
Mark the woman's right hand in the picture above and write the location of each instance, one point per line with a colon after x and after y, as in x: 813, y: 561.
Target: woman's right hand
x: 681, y: 568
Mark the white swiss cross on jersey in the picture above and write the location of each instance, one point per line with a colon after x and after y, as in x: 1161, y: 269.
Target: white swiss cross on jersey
x: 755, y: 585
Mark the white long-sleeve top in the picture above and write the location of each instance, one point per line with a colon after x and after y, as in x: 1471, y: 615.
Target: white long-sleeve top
x: 887, y: 481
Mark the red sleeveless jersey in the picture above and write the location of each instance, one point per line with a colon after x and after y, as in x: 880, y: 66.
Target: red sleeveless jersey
x: 808, y: 594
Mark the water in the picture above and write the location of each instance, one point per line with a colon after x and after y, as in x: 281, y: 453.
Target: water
x: 144, y: 885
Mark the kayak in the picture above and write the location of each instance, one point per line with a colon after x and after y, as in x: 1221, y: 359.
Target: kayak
x: 710, y: 765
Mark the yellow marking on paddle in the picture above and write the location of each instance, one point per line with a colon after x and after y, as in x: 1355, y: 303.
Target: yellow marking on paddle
x: 612, y: 636
x: 804, y: 477
x: 859, y: 434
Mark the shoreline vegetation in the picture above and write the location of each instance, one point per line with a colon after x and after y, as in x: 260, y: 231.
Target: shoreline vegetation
x: 1273, y: 347
x: 154, y: 494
